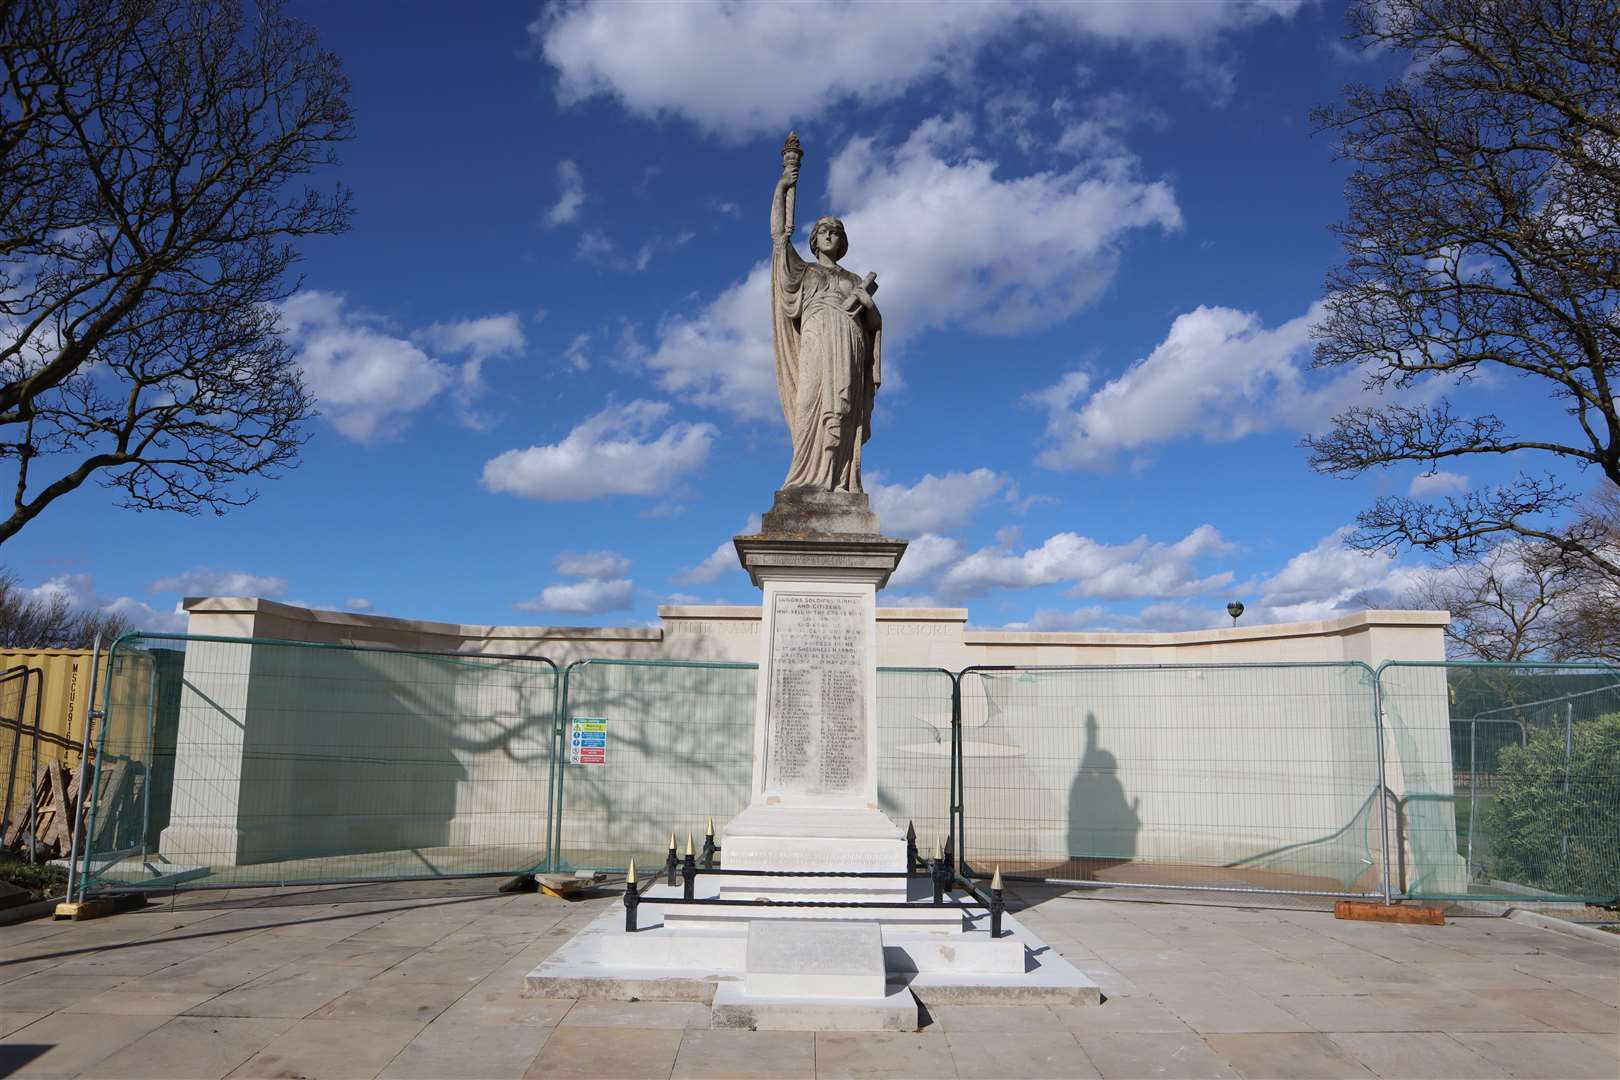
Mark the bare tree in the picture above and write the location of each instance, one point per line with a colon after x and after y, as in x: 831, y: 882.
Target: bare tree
x: 1527, y: 600
x: 31, y: 621
x: 146, y: 229
x: 1482, y: 236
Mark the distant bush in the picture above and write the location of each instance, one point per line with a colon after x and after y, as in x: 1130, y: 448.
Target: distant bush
x: 1546, y: 837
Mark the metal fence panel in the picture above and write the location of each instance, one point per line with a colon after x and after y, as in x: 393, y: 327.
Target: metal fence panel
x: 678, y: 750
x: 1242, y: 776
x: 227, y: 762
x: 1511, y: 777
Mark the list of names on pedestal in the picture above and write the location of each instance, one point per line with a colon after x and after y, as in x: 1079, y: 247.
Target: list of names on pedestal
x: 816, y: 733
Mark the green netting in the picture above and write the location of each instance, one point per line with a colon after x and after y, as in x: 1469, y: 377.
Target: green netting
x: 246, y: 761
x: 679, y: 744
x: 1240, y: 776
x: 1510, y: 779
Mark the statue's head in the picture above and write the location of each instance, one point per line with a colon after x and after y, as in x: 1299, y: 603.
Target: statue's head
x: 828, y: 235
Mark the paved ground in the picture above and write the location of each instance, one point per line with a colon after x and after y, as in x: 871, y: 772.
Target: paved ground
x: 425, y: 981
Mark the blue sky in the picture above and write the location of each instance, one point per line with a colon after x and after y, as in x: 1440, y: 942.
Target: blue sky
x: 543, y: 359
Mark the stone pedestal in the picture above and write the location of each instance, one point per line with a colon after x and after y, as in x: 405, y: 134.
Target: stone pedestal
x: 814, y: 802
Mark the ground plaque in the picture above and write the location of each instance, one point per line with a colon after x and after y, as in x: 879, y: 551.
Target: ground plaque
x: 816, y: 717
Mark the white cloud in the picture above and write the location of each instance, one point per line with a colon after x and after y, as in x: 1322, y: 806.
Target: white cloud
x: 954, y: 244
x: 619, y: 451
x: 590, y: 597
x: 719, y: 561
x: 357, y: 603
x: 1438, y: 482
x: 477, y: 340
x: 925, y: 556
x: 366, y: 380
x: 734, y: 70
x: 204, y: 581
x: 570, y: 194
x: 592, y: 564
x: 1328, y: 578
x: 934, y: 503
x: 1138, y: 569
x: 1219, y: 373
x: 80, y: 593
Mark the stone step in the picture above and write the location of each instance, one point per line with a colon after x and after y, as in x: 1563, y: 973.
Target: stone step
x: 921, y: 917
x: 814, y: 959
x: 734, y: 1007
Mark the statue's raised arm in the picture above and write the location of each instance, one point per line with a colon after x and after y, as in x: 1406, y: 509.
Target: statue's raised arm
x: 828, y: 336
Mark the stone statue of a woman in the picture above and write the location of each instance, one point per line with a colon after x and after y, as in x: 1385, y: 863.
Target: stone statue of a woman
x: 828, y: 337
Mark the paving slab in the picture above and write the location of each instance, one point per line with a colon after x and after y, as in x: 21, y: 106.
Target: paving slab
x: 638, y: 1014
x: 1456, y: 1010
x: 123, y: 1001
x: 1560, y: 1009
x: 1036, y: 1054
x: 45, y: 992
x: 999, y: 1017
x: 66, y: 1044
x: 1547, y: 1056
x: 193, y: 1048
x: 1294, y: 1055
x: 1214, y: 1007
x: 295, y: 991
x: 485, y: 1004
x: 13, y: 1021
x: 1129, y: 1014
x: 624, y: 1053
x: 723, y: 1054
x: 451, y: 1051
x: 392, y: 1000
x: 883, y: 1053
x: 1130, y: 1055
x: 1432, y: 1055
x: 330, y: 1050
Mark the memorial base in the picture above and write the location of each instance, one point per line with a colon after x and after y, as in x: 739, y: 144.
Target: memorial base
x: 765, y: 837
x: 669, y: 959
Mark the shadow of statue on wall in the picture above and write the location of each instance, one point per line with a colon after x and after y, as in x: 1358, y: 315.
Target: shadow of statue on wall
x: 1103, y: 826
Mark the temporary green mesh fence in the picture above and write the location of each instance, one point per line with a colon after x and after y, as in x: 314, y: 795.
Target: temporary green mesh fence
x: 230, y: 761
x: 1510, y: 776
x: 1242, y: 776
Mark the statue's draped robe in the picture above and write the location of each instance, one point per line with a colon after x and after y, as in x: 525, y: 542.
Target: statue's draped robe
x: 828, y: 366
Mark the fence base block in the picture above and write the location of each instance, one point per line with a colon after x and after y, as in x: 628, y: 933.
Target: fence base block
x: 96, y: 907
x: 1369, y: 911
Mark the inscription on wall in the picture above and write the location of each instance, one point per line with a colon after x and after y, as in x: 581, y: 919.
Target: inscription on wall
x: 816, y: 716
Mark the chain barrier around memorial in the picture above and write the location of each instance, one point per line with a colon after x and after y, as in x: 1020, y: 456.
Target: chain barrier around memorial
x: 941, y: 875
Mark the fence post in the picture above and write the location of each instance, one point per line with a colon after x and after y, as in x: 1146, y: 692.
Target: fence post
x: 559, y: 702
x: 1473, y: 790
x: 87, y: 793
x: 1383, y: 779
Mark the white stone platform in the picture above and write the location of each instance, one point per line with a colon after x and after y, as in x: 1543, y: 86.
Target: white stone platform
x: 669, y: 961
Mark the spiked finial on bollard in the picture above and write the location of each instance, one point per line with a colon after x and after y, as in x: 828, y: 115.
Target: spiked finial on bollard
x: 632, y: 898
x: 911, y: 848
x: 669, y: 862
x: 689, y: 869
x: 995, y: 879
x: 709, y: 850
x: 936, y: 872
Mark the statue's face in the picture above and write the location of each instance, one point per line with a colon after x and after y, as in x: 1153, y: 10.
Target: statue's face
x: 831, y: 239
